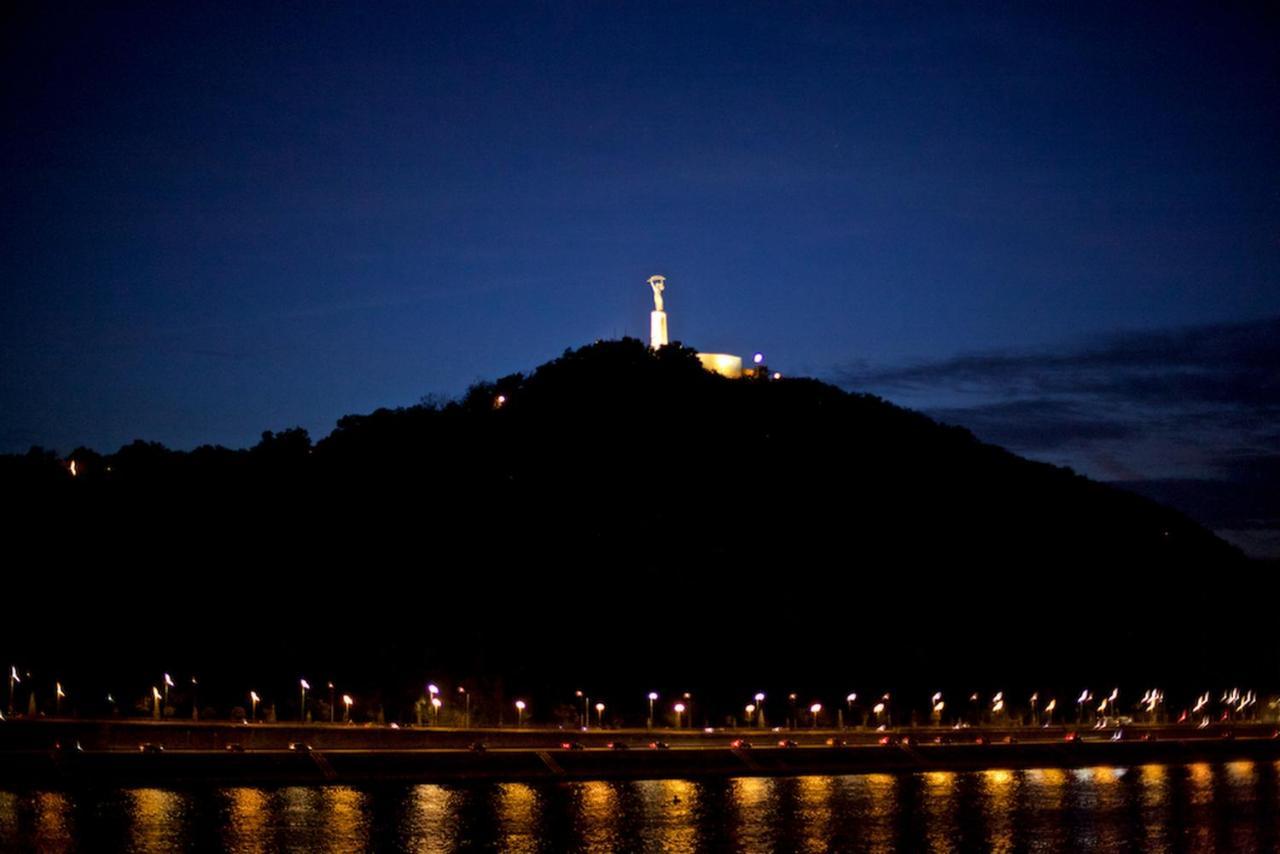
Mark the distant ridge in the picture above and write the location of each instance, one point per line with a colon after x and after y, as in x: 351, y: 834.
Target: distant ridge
x: 620, y: 514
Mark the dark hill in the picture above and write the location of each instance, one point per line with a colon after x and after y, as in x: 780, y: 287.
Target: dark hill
x: 623, y: 519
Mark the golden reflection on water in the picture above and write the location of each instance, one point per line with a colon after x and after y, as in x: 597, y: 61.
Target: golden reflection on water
x: 753, y: 815
x: 1241, y: 773
x: 1200, y: 779
x: 815, y: 812
x: 998, y: 790
x: 430, y: 818
x: 8, y: 814
x: 597, y: 815
x: 881, y: 792
x: 345, y: 822
x: 1111, y: 801
x: 248, y: 811
x: 1046, y: 791
x: 53, y: 821
x: 1153, y: 793
x: 940, y: 810
x: 672, y: 806
x: 155, y: 819
x: 518, y: 817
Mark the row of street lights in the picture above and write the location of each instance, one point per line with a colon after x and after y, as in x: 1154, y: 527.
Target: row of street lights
x: 1234, y: 702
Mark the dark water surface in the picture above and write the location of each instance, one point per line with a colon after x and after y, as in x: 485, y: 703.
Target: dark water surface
x: 1227, y: 808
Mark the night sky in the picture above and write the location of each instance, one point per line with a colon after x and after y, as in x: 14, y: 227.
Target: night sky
x: 1057, y: 225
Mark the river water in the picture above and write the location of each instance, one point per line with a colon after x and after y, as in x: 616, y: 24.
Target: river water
x: 1231, y: 807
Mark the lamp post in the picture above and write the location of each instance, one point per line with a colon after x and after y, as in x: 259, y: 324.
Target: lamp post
x: 195, y: 700
x: 759, y: 698
x: 346, y: 712
x: 253, y: 706
x: 168, y: 683
x: 432, y: 691
x: 600, y: 715
x: 304, y: 686
x: 849, y: 701
x: 331, y: 703
x: 520, y: 707
x: 679, y: 708
x: 57, y: 698
x: 749, y: 710
x: 586, y: 704
x: 466, y: 707
x: 814, y: 710
x: 13, y: 680
x: 653, y: 695
x: 155, y: 703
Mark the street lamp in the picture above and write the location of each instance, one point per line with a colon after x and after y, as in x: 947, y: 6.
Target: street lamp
x: 13, y: 680
x: 155, y: 702
x: 750, y: 710
x: 520, y: 707
x: 586, y: 715
x: 305, y: 687
x: 435, y: 711
x: 759, y: 698
x: 168, y: 683
x: 57, y: 698
x: 814, y: 710
x: 331, y: 703
x: 653, y: 695
x: 679, y: 708
x: 346, y: 713
x: 254, y: 699
x: 466, y: 707
x: 600, y: 715
x: 195, y: 700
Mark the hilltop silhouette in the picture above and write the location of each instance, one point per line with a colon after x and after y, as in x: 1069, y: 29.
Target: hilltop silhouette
x: 623, y: 517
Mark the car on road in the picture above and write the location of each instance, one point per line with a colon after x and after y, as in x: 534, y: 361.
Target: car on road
x: 619, y: 745
x: 300, y: 747
x: 151, y: 747
x: 659, y: 745
x: 835, y: 742
x: 235, y: 747
x: 477, y: 747
x: 572, y: 745
x: 788, y: 742
x: 740, y: 744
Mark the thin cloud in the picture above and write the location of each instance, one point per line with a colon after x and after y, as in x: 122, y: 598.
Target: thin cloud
x: 1187, y: 416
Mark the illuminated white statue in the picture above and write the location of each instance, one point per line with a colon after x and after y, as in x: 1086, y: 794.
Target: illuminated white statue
x: 657, y: 317
x: 659, y: 284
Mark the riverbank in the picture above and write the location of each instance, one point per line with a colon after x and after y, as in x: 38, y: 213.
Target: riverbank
x: 175, y: 754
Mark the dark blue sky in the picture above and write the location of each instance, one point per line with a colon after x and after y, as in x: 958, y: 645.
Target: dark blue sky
x: 226, y: 220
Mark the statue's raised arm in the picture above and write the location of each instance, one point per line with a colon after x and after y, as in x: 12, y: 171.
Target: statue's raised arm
x: 658, y: 283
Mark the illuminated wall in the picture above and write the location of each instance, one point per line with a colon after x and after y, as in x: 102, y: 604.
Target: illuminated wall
x: 723, y: 364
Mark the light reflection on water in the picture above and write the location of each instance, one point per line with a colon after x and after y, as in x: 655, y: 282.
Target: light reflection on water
x: 1199, y: 807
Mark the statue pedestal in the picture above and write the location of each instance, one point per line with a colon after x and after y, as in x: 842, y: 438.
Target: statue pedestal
x: 657, y: 329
